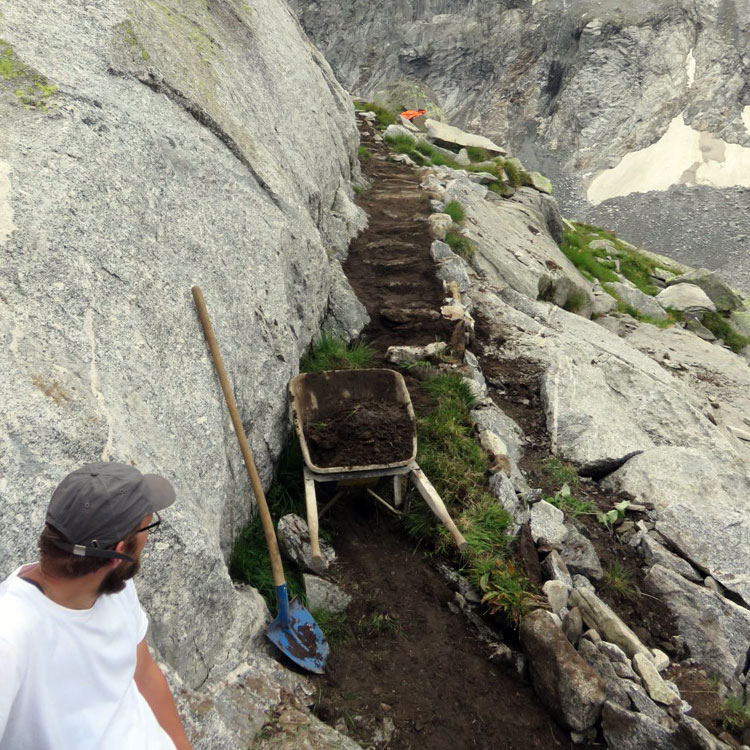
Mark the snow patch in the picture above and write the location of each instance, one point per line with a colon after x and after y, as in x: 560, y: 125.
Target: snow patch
x: 746, y: 117
x: 690, y: 68
x: 682, y: 155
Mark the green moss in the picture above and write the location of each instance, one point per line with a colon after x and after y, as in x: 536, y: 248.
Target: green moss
x: 722, y: 328
x: 364, y: 152
x: 478, y: 154
x: 30, y: 87
x: 196, y: 33
x: 126, y: 30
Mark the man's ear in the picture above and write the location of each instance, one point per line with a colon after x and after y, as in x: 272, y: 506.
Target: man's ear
x: 115, y: 561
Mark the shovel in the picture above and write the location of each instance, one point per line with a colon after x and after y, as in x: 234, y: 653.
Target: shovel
x: 294, y: 631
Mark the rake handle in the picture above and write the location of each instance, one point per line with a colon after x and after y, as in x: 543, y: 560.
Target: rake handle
x: 239, y: 430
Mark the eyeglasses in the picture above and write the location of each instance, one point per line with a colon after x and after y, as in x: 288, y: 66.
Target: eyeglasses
x: 152, y: 525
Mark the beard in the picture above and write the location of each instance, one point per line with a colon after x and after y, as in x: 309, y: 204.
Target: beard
x: 114, y: 582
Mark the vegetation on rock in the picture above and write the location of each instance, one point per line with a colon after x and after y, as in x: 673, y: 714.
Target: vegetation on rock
x: 460, y: 245
x: 385, y: 117
x: 331, y: 353
x: 456, y: 211
x: 249, y: 562
x: 457, y: 467
x: 30, y: 87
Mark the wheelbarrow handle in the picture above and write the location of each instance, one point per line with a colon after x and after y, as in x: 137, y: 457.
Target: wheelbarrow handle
x: 239, y: 430
x: 433, y: 499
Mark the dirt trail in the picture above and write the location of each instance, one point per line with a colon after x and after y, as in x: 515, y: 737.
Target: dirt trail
x: 411, y: 668
x: 389, y: 264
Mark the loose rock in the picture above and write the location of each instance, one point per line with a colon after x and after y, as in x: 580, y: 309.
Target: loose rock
x: 569, y: 688
x: 294, y: 543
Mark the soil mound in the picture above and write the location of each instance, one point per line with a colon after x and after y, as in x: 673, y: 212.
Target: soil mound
x: 363, y: 434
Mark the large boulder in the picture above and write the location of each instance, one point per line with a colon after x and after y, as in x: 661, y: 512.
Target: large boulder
x: 702, y: 507
x: 716, y: 630
x: 570, y: 689
x: 638, y: 300
x: 685, y: 298
x: 721, y: 294
x: 717, y: 380
x: 446, y: 135
x: 164, y: 159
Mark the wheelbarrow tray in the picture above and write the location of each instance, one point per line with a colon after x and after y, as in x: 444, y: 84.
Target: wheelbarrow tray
x: 315, y: 395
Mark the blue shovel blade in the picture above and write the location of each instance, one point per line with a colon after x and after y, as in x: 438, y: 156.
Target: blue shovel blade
x: 296, y: 634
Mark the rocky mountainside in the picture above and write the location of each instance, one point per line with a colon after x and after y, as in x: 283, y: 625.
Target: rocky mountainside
x: 607, y: 99
x: 146, y: 147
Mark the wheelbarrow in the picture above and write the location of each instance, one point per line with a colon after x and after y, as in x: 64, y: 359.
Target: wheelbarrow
x: 316, y: 397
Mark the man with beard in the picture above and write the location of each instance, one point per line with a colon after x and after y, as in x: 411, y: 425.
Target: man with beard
x: 76, y: 669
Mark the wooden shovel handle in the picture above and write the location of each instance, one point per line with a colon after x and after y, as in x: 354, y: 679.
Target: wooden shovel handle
x: 239, y: 430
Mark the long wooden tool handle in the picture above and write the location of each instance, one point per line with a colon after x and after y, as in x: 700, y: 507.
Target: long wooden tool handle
x: 239, y: 430
x: 429, y: 493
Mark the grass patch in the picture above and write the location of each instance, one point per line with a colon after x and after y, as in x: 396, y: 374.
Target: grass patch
x: 513, y: 173
x: 364, y: 152
x: 558, y: 472
x: 405, y: 144
x: 401, y: 143
x: 439, y: 160
x: 722, y: 328
x: 638, y: 269
x: 456, y: 211
x: 249, y: 561
x: 385, y: 116
x: 596, y: 264
x: 460, y: 245
x: 476, y: 153
x: 575, y: 302
x: 335, y: 627
x: 505, y: 589
x: 735, y: 715
x: 618, y: 578
x: 570, y: 504
x: 331, y: 353
x: 575, y: 250
x: 376, y: 625
x: 457, y: 467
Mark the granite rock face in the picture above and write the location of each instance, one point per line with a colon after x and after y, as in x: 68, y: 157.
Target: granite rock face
x: 182, y: 145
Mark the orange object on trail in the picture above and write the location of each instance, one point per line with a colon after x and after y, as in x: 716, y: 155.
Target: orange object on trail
x: 410, y: 114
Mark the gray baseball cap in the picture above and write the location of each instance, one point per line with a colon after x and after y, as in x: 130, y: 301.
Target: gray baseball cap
x: 101, y: 503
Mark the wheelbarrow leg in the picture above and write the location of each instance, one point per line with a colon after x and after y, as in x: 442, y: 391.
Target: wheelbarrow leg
x: 429, y: 493
x: 398, y: 491
x: 312, y: 520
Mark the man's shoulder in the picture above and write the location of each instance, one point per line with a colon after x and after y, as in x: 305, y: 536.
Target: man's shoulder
x: 20, y: 615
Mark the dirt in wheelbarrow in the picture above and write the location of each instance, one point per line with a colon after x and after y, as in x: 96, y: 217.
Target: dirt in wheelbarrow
x: 405, y: 671
x: 363, y: 434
